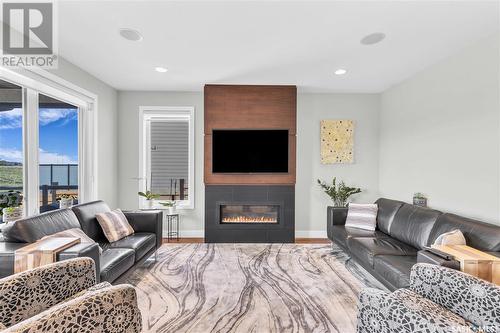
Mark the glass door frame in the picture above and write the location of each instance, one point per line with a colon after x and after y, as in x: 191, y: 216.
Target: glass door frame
x: 33, y: 83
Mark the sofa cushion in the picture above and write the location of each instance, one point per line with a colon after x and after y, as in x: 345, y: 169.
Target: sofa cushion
x: 482, y: 236
x: 395, y: 269
x: 340, y: 234
x: 368, y: 247
x: 412, y: 225
x: 86, y: 214
x: 114, y: 225
x: 141, y: 243
x: 31, y: 229
x: 115, y: 262
x: 387, y: 209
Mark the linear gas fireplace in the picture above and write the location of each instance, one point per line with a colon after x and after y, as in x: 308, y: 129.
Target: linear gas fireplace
x: 249, y: 214
x: 245, y: 213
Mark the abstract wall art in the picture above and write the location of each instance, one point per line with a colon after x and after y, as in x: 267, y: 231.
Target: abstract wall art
x: 337, y: 141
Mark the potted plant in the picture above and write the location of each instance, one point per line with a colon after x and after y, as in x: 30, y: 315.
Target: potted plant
x: 170, y: 205
x: 66, y: 201
x: 11, y: 206
x: 150, y: 197
x: 339, y: 193
x: 419, y: 199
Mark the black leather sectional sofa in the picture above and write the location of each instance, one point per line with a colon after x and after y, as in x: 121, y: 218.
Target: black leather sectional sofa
x: 403, y: 232
x: 116, y: 258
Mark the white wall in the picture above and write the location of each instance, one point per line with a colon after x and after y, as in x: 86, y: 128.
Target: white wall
x: 310, y: 200
x: 192, y: 221
x: 107, y: 128
x: 439, y: 134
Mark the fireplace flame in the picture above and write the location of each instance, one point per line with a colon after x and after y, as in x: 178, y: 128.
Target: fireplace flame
x: 249, y: 219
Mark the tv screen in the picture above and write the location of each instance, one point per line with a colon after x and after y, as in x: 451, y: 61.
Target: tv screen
x: 250, y: 151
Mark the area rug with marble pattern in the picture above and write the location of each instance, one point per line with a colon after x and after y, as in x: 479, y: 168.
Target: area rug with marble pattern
x: 249, y: 288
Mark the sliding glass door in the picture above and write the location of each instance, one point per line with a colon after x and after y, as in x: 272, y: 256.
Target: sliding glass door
x: 47, y: 141
x: 58, y: 151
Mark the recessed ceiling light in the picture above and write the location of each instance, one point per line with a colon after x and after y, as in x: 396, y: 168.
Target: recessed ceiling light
x: 374, y: 38
x: 340, y: 71
x: 161, y: 69
x: 131, y: 34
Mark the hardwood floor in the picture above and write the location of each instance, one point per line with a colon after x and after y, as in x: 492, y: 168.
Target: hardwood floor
x: 297, y: 240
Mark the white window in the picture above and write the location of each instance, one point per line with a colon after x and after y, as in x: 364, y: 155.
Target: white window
x: 56, y: 154
x: 167, y: 155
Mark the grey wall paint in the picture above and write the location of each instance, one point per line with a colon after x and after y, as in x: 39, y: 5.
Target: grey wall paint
x: 439, y: 134
x: 310, y: 201
x: 128, y: 150
x: 107, y: 134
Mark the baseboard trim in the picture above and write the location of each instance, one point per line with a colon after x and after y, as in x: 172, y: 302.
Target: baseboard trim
x: 298, y: 233
x: 189, y: 233
x: 310, y: 234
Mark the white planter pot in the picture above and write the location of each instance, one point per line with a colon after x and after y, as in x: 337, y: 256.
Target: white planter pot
x: 13, y: 215
x: 65, y: 203
x: 150, y: 204
x: 170, y: 210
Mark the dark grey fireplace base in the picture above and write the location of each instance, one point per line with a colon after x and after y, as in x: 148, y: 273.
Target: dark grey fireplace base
x: 281, y: 232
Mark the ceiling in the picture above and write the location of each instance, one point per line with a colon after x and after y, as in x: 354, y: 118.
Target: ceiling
x: 275, y: 42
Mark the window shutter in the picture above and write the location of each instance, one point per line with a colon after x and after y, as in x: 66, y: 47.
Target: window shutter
x: 169, y: 156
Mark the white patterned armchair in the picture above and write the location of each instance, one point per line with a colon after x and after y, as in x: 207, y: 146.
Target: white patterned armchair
x: 63, y: 297
x: 439, y: 299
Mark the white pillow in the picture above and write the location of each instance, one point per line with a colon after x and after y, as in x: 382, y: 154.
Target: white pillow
x: 454, y: 237
x: 362, y: 216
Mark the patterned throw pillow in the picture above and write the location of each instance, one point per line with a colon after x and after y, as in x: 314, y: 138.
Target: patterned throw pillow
x: 74, y: 232
x: 362, y: 216
x: 114, y: 224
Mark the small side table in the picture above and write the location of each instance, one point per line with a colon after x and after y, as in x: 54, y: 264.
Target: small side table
x: 41, y: 252
x: 474, y: 262
x: 172, y: 226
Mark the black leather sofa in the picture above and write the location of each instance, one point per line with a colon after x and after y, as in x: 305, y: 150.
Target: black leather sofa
x: 116, y: 258
x: 402, y: 235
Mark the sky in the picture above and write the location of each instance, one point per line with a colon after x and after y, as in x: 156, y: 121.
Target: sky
x: 58, y: 139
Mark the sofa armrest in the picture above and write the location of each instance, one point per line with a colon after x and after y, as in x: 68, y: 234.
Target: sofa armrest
x: 147, y: 221
x: 112, y: 309
x: 429, y: 257
x: 404, y: 311
x: 373, y: 305
x: 26, y: 294
x: 469, y: 297
x: 7, y: 256
x: 81, y: 250
x: 335, y: 216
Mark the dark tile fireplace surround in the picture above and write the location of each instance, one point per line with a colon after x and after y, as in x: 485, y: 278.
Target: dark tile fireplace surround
x: 249, y: 213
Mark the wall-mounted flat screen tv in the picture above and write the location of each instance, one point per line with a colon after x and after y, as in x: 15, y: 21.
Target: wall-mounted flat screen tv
x: 250, y: 151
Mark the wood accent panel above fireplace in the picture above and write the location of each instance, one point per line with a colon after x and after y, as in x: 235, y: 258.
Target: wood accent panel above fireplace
x: 250, y: 107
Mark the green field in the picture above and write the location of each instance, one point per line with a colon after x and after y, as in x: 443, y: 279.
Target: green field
x: 11, y: 175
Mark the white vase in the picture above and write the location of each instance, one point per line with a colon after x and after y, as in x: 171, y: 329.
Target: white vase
x: 171, y: 210
x: 150, y: 204
x: 65, y: 203
x: 12, y: 214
